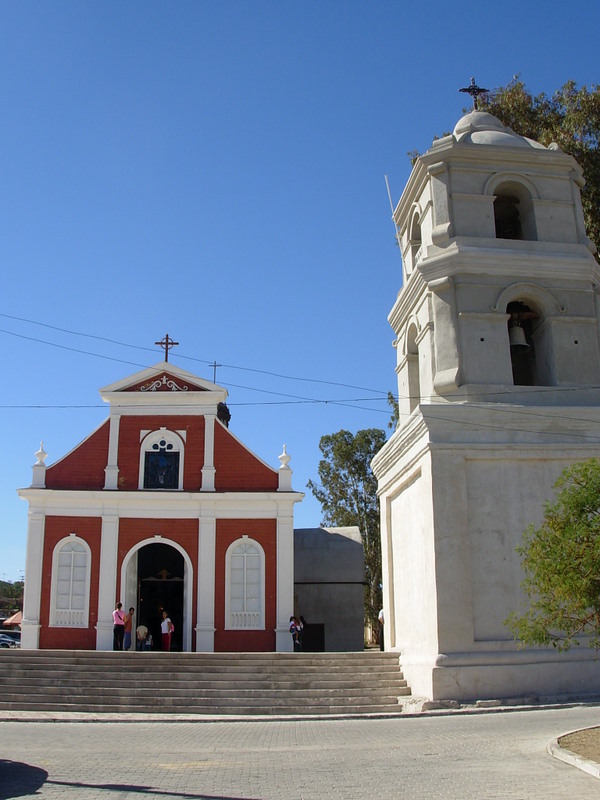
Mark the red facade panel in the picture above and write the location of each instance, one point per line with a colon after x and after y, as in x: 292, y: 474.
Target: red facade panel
x: 239, y: 470
x: 83, y: 467
x: 130, y: 441
x: 264, y: 531
x: 56, y: 528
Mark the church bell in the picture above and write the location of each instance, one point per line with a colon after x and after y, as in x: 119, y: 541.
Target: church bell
x: 516, y: 337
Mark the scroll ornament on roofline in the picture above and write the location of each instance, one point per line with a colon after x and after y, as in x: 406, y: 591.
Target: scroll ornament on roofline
x: 164, y: 381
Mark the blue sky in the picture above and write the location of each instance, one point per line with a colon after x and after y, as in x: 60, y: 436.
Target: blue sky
x: 215, y: 170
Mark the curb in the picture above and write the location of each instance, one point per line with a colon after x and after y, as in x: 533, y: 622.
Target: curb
x: 562, y: 754
x: 133, y: 717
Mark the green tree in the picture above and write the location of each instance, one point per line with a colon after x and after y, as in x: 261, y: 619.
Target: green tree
x: 11, y: 596
x: 348, y: 496
x: 561, y: 561
x: 571, y: 118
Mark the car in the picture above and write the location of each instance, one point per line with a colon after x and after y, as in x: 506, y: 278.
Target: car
x: 8, y: 641
x: 14, y: 635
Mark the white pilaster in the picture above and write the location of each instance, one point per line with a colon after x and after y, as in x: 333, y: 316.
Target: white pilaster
x: 208, y: 470
x: 205, y: 618
x: 111, y: 471
x: 107, y: 584
x: 285, y: 582
x: 30, y: 627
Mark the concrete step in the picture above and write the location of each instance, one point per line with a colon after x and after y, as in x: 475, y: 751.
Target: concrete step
x: 241, y: 710
x: 224, y: 684
x: 201, y: 683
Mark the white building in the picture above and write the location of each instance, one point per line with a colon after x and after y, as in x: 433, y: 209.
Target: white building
x: 498, y: 364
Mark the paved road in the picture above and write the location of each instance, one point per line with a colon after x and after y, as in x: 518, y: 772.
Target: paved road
x: 500, y: 755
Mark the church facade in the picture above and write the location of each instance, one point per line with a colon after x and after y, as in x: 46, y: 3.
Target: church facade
x: 161, y: 507
x: 498, y: 363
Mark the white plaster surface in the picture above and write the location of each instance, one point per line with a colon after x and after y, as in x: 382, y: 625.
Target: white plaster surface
x: 475, y: 456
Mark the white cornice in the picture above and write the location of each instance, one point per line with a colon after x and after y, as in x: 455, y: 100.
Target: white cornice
x: 160, y: 504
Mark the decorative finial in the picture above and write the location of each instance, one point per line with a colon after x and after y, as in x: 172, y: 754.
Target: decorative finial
x: 41, y: 454
x: 474, y: 91
x: 167, y: 343
x: 284, y: 459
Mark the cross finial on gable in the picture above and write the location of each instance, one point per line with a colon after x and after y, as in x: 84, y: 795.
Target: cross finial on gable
x: 167, y: 343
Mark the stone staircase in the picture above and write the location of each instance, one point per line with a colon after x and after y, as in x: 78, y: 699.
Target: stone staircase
x: 201, y: 683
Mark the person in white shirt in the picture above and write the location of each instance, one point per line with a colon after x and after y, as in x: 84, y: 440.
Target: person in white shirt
x: 166, y: 629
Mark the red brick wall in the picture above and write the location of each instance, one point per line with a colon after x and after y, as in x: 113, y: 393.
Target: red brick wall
x: 237, y: 469
x: 56, y: 528
x: 83, y: 467
x: 263, y: 531
x: 129, y: 448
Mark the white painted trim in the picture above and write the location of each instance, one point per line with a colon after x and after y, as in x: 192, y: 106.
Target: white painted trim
x: 188, y: 582
x: 285, y: 583
x: 85, y: 614
x: 259, y: 624
x: 111, y: 470
x: 208, y: 469
x: 107, y: 581
x: 159, y: 504
x: 30, y: 627
x: 205, y: 612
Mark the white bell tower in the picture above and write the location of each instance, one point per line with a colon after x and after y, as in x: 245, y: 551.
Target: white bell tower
x: 498, y: 364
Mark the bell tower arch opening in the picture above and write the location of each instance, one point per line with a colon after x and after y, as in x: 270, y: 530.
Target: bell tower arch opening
x: 412, y: 359
x: 522, y: 324
x: 514, y: 216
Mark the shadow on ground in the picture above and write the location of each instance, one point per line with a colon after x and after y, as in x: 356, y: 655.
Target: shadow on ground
x: 19, y: 780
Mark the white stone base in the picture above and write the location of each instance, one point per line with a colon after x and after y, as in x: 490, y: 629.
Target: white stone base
x: 531, y: 673
x: 104, y: 636
x: 283, y: 640
x: 205, y: 639
x: 30, y: 635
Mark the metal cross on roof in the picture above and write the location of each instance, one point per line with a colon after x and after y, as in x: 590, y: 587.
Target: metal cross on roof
x: 167, y: 343
x: 474, y: 91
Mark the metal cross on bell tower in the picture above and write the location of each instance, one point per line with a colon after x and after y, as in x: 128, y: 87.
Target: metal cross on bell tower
x: 474, y: 91
x: 167, y: 343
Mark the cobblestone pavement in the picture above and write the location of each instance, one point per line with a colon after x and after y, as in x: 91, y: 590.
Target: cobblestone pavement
x: 493, y: 755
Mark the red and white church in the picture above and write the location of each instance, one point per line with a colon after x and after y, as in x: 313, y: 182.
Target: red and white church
x: 161, y: 507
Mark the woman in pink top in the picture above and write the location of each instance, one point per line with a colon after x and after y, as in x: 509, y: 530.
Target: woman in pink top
x: 118, y: 627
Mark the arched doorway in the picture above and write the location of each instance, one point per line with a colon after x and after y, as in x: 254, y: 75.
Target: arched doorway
x: 157, y: 577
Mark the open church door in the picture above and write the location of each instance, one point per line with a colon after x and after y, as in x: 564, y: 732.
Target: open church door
x: 161, y: 582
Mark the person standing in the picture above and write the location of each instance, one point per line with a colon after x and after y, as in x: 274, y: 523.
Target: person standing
x: 166, y: 629
x: 127, y: 629
x: 118, y: 627
x: 380, y: 618
x: 295, y: 631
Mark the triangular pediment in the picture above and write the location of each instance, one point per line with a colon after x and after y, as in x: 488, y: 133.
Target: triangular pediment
x: 162, y: 377
x: 165, y: 381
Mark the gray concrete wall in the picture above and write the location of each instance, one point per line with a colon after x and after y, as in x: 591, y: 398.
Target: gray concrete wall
x: 328, y: 584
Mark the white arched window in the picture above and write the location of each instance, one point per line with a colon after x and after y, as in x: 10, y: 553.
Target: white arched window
x: 245, y: 585
x: 161, y: 460
x: 71, y: 566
